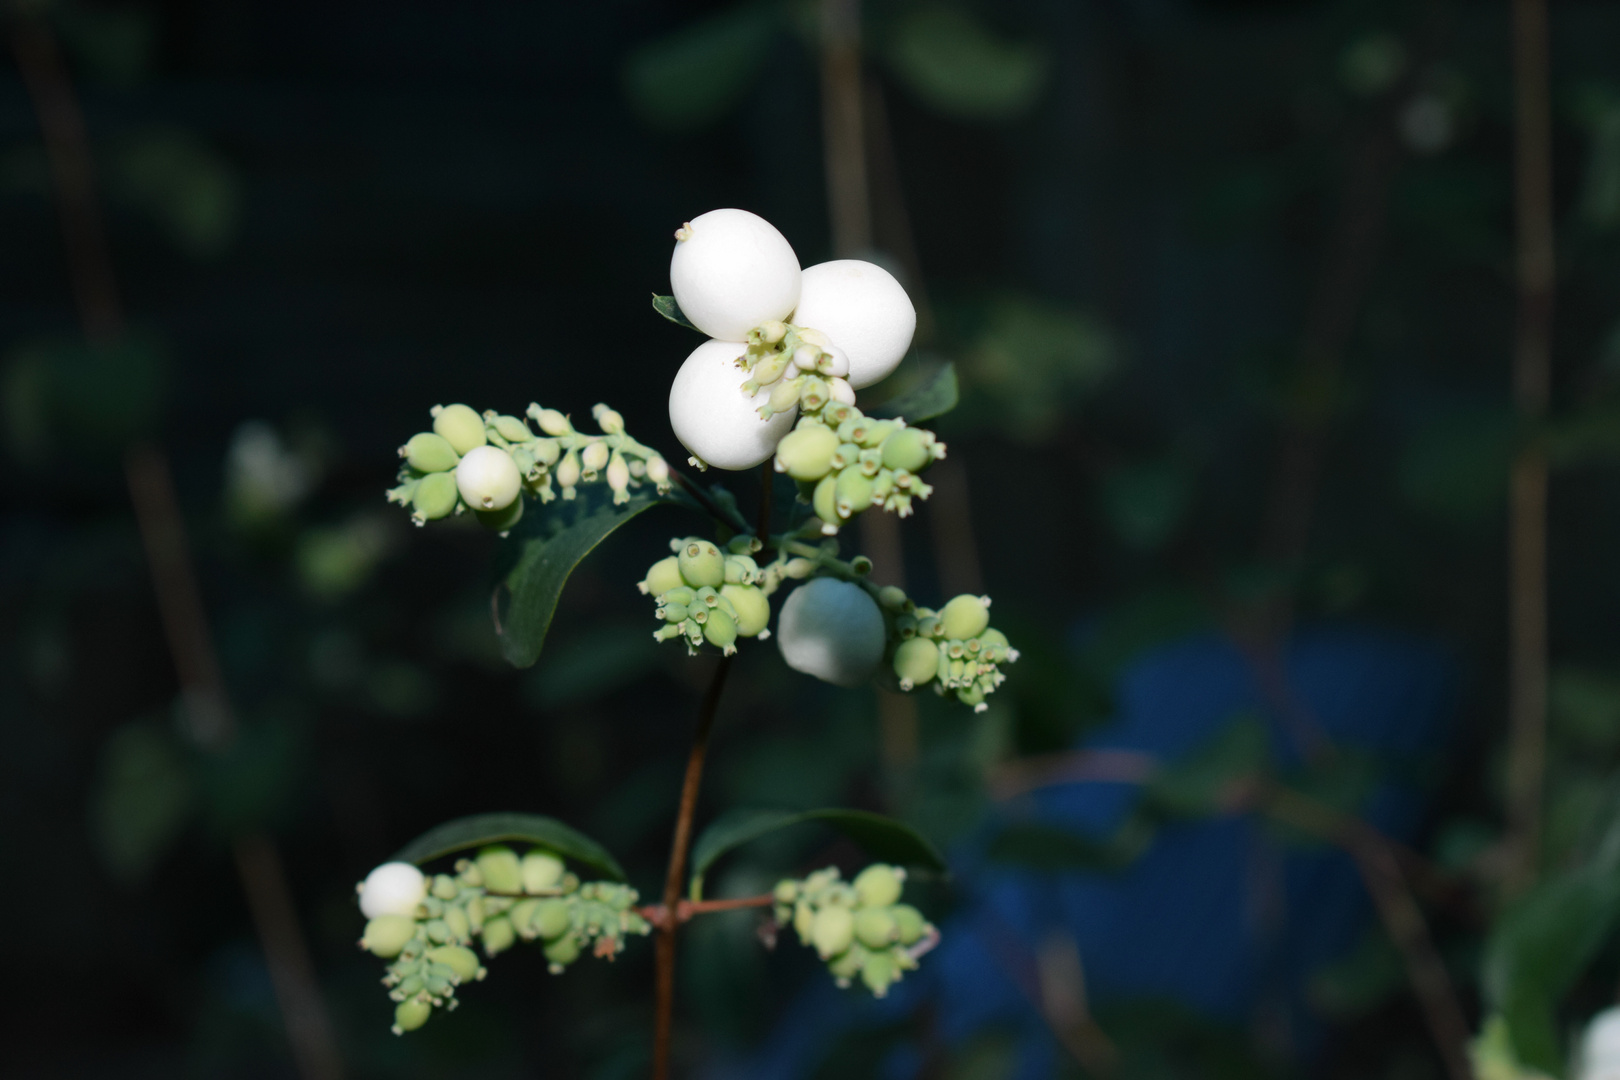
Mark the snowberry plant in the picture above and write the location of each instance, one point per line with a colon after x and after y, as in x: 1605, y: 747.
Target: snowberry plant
x: 773, y: 387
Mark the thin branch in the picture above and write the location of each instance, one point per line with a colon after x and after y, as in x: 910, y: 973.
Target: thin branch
x: 687, y: 910
x: 1527, y: 513
x: 664, y: 953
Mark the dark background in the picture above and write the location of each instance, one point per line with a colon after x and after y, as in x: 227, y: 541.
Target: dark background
x: 325, y: 218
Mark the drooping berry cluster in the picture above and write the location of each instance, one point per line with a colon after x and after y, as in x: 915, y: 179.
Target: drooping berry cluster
x: 426, y: 926
x: 846, y: 461
x: 858, y: 928
x: 706, y: 595
x: 485, y: 463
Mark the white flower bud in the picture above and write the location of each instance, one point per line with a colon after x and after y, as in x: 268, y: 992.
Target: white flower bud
x: 714, y: 419
x: 863, y: 310
x: 834, y: 362
x: 394, y: 888
x: 833, y: 630
x: 658, y: 470
x: 841, y: 391
x: 731, y: 272
x: 488, y: 478
x: 594, y: 458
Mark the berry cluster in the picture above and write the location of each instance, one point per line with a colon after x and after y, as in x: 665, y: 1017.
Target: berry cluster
x: 804, y: 337
x: 846, y: 462
x: 858, y: 928
x: 955, y: 648
x: 425, y: 926
x: 704, y: 595
x: 485, y: 463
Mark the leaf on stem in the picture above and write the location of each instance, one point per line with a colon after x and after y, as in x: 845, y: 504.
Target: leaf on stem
x: 881, y: 837
x: 669, y: 309
x: 537, y: 563
x: 935, y: 396
x: 467, y: 833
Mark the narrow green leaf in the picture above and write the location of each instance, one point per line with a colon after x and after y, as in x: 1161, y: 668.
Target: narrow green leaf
x: 883, y: 838
x: 540, y: 559
x: 465, y: 834
x: 669, y: 309
x: 936, y: 396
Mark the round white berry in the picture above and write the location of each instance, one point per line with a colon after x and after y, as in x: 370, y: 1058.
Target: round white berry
x: 862, y: 310
x: 394, y: 888
x: 1600, y: 1047
x: 712, y: 416
x: 488, y: 478
x: 833, y: 630
x: 732, y: 271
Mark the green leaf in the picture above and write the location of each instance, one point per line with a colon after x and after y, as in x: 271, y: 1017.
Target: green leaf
x: 669, y: 309
x: 464, y: 834
x: 936, y: 396
x: 142, y: 799
x: 533, y: 574
x: 1536, y: 951
x: 1200, y: 783
x: 883, y: 838
x: 950, y: 62
x: 694, y: 76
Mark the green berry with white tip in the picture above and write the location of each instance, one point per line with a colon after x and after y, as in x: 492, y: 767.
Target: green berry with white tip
x: 878, y: 885
x: 806, y: 453
x: 664, y: 575
x: 875, y: 927
x: 501, y: 870
x: 880, y: 972
x: 460, y: 426
x: 551, y: 918
x: 562, y: 952
x: 832, y: 931
x: 462, y: 961
x: 916, y: 661
x: 853, y: 493
x: 701, y: 563
x: 435, y: 496
x: 411, y: 1014
x: 825, y: 502
x: 752, y: 606
x: 908, y: 448
x: 429, y: 453
x: 542, y: 871
x: 386, y: 935
x: 910, y: 926
x: 519, y: 915
x: 966, y: 616
x: 720, y: 630
x: 498, y: 935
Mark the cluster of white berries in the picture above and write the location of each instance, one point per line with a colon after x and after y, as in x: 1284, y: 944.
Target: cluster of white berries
x: 486, y: 462
x: 781, y: 337
x: 859, y: 927
x: 426, y: 926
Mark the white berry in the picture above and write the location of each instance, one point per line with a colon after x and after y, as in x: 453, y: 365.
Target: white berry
x: 863, y: 310
x: 714, y: 419
x: 833, y: 630
x: 1600, y: 1047
x: 731, y: 272
x: 488, y: 478
x: 394, y: 888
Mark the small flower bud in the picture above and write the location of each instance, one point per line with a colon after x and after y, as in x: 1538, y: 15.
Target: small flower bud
x: 411, y: 1014
x: 551, y: 421
x: 772, y: 332
x: 568, y: 473
x: 618, y: 478
x: 813, y: 394
x: 460, y: 426
x: 846, y: 455
x: 768, y: 370
x: 892, y: 598
x: 878, y: 885
x: 798, y: 569
x: 430, y: 453
x: 784, y: 396
x: 841, y: 391
x: 834, y: 361
x: 607, y: 419
x: 966, y: 616
x: 658, y: 470
x: 786, y: 891
x: 386, y: 935
x: 435, y: 496
x: 701, y: 563
x: 546, y: 452
x: 511, y: 429
x: 594, y: 459
x: 562, y: 952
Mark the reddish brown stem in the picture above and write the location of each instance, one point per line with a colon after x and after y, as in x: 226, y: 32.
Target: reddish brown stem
x: 687, y: 910
x: 664, y: 952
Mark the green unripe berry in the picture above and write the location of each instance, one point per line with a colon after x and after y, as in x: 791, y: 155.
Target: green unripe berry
x: 674, y: 613
x: 520, y: 915
x: 847, y: 965
x: 435, y: 496
x: 461, y: 427
x: 854, y: 492
x: 878, y: 885
x: 541, y: 871
x: 445, y: 887
x: 386, y: 935
x: 966, y: 616
x: 909, y: 923
x: 464, y: 962
x: 825, y: 502
x: 848, y: 454
x: 562, y: 952
x: 551, y: 918
x: 501, y: 521
x: 498, y: 935
x: 972, y: 696
x: 804, y: 920
x: 752, y: 606
x: 662, y: 576
x: 551, y: 421
x: 806, y: 453
x: 460, y: 926
x: 875, y: 927
x: 429, y: 453
x: 511, y: 429
x: 880, y: 972
x: 741, y: 570
x: 786, y: 891
x: 892, y: 598
x: 916, y: 661
x: 721, y: 629
x: 502, y: 873
x: 411, y: 1014
x: 701, y: 563
x: 437, y: 931
x: 908, y: 449
x: 876, y: 432
x: 833, y: 931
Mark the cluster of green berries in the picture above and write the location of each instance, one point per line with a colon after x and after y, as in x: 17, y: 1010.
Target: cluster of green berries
x: 494, y: 901
x: 954, y: 648
x: 846, y: 461
x: 705, y: 594
x: 859, y: 928
x: 485, y: 463
x: 795, y: 366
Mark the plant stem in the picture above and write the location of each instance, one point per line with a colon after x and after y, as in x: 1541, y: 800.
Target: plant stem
x: 1527, y: 530
x: 665, y: 948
